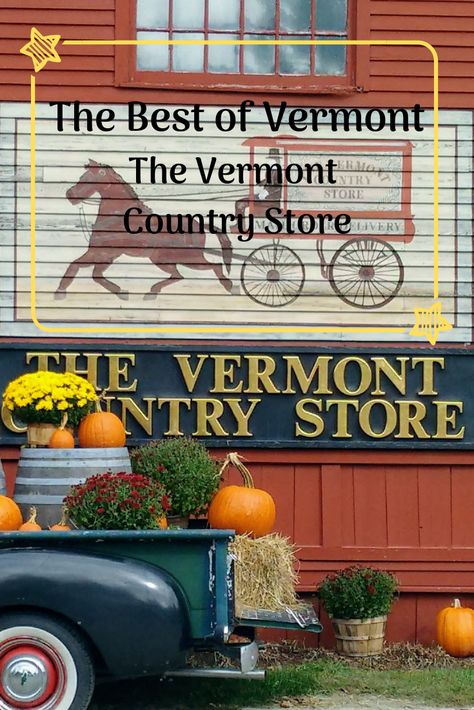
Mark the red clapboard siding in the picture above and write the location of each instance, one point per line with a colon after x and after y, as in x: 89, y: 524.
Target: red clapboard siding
x: 59, y: 5
x: 409, y: 512
x: 397, y: 76
x: 423, y: 69
x: 423, y: 8
x: 58, y: 17
x: 452, y: 26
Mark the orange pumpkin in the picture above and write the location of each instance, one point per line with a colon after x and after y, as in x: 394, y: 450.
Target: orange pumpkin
x: 101, y: 430
x: 455, y: 630
x: 61, y: 439
x: 62, y: 526
x: 163, y: 523
x: 10, y: 514
x: 245, y: 509
x: 31, y: 525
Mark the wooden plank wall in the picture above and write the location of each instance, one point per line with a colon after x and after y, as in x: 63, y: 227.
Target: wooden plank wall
x: 408, y: 512
x: 399, y: 183
x: 397, y: 75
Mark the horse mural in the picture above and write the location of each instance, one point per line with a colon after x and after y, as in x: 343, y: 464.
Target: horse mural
x: 109, y: 238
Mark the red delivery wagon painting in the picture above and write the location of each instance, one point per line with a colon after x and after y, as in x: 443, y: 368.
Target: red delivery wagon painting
x: 373, y: 187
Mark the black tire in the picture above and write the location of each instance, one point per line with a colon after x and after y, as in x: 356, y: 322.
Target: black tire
x: 68, y: 658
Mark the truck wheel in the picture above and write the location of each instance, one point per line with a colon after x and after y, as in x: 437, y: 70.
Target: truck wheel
x: 44, y: 664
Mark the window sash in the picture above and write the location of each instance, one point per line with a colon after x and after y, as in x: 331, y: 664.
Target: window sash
x: 357, y: 63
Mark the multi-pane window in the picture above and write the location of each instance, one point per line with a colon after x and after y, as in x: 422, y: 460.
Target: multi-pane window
x: 243, y: 19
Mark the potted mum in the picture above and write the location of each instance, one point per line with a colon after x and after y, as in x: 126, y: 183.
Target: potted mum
x: 187, y: 472
x: 357, y: 600
x: 118, y: 501
x: 43, y: 399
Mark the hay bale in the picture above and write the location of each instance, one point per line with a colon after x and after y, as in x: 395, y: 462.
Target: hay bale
x: 264, y: 572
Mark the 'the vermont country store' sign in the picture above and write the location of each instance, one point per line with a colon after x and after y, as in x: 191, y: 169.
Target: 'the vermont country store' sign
x: 271, y: 396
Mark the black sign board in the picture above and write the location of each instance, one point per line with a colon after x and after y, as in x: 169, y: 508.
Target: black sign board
x: 269, y: 396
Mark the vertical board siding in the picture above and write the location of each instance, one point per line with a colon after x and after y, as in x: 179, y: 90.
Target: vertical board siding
x: 371, y: 508
x: 462, y: 506
x: 402, y: 506
x: 444, y: 24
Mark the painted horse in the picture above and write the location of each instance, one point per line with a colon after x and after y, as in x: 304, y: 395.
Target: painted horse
x: 109, y: 238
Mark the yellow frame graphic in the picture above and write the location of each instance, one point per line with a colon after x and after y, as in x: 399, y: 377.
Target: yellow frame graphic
x: 428, y: 322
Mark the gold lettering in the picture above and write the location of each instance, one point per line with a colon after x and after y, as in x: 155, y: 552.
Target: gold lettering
x: 144, y: 420
x: 320, y: 368
x: 222, y: 373
x: 445, y: 417
x: 427, y: 364
x: 174, y: 404
x: 342, y: 416
x: 190, y: 377
x: 398, y: 379
x: 90, y: 372
x: 339, y: 375
x: 9, y: 422
x: 411, y: 414
x: 242, y: 418
x: 208, y: 413
x: 306, y: 415
x: 43, y: 359
x: 117, y: 370
x: 390, y: 418
x: 259, y: 376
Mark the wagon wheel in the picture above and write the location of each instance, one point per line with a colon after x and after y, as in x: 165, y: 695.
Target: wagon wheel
x: 366, y: 273
x: 273, y: 276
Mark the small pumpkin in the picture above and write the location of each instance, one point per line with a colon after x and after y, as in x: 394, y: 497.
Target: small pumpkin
x: 10, y: 514
x: 62, y: 438
x: 455, y: 630
x: 101, y: 430
x: 31, y: 525
x: 62, y: 526
x: 245, y: 509
x: 163, y: 522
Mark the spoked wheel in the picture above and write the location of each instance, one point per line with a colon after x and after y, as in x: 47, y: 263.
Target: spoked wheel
x: 273, y: 276
x: 44, y: 665
x: 366, y: 273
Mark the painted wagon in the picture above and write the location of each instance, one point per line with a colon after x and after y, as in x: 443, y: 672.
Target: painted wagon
x: 374, y: 188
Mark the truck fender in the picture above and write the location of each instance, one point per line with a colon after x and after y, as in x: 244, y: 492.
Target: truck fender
x: 134, y: 613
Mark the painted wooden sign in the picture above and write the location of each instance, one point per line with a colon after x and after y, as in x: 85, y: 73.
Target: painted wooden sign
x: 272, y: 396
x: 90, y: 272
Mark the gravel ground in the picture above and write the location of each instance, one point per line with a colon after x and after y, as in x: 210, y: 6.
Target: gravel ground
x: 348, y: 702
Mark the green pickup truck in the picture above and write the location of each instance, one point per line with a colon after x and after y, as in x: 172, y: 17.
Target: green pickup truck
x: 81, y: 605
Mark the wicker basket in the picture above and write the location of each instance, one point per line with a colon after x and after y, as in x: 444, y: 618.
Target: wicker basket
x: 357, y: 637
x: 40, y: 434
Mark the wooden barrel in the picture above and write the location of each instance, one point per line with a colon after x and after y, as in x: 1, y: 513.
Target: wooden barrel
x: 45, y: 476
x: 3, y: 488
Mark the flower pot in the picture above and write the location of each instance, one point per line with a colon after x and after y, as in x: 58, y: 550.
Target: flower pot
x: 178, y: 521
x: 40, y: 434
x: 358, y: 637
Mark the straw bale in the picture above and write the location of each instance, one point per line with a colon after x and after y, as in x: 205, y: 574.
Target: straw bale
x: 264, y: 572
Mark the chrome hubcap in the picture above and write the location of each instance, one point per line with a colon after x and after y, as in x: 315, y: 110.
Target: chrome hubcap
x: 28, y: 677
x: 25, y: 678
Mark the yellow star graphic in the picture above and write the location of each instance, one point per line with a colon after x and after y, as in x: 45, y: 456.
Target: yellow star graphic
x: 41, y: 49
x: 429, y: 323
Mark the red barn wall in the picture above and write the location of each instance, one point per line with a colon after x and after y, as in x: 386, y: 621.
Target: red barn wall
x: 408, y: 512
